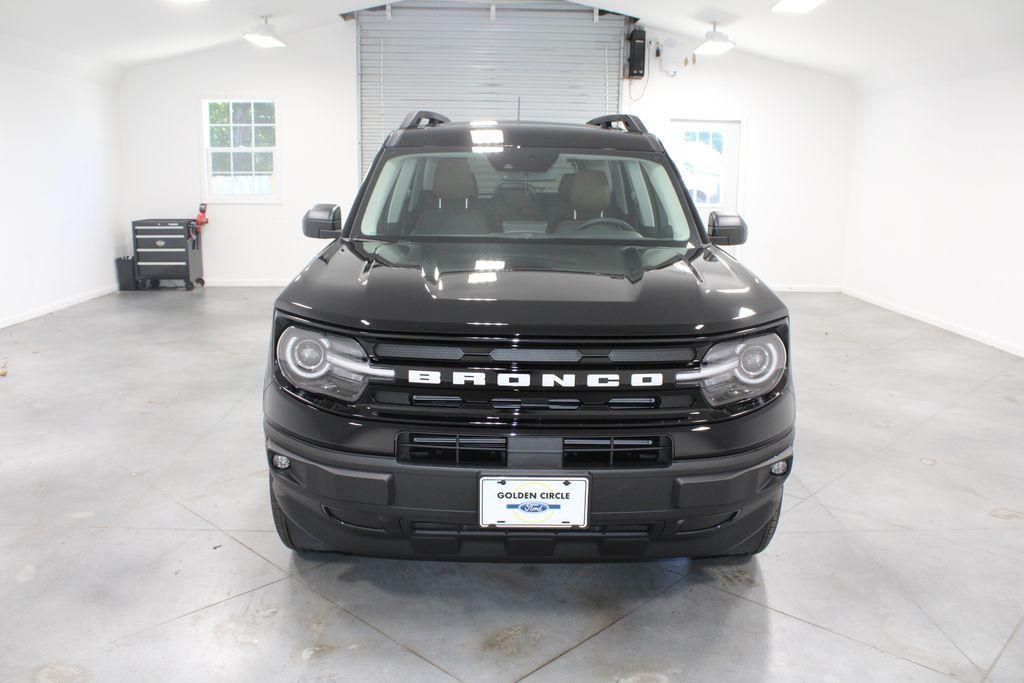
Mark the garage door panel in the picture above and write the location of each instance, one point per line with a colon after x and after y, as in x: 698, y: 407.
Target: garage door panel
x: 551, y: 56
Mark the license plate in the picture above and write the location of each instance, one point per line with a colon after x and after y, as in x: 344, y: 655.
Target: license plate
x: 534, y: 502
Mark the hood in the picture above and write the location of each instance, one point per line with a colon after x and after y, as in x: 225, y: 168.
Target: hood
x: 530, y: 289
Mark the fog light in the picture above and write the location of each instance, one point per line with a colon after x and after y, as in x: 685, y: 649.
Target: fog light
x: 777, y: 468
x: 282, y: 463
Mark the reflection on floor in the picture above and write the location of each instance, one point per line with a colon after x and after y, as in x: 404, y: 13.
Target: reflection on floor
x: 136, y: 541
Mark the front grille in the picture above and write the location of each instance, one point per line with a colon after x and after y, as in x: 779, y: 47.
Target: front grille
x: 616, y: 452
x: 489, y: 393
x: 442, y: 449
x: 577, y: 452
x: 557, y: 394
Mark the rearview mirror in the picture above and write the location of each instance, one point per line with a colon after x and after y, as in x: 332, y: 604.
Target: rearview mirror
x: 726, y: 229
x: 322, y: 222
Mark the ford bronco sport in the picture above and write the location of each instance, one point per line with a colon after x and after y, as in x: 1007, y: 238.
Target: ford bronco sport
x: 522, y: 343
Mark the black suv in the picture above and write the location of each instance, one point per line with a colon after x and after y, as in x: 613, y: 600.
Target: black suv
x: 523, y: 344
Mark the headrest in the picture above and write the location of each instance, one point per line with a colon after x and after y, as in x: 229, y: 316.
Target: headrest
x: 453, y: 181
x: 590, y: 191
x: 565, y: 186
x: 511, y: 197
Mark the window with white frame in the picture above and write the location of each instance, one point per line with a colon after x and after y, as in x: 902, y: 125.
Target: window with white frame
x: 241, y: 137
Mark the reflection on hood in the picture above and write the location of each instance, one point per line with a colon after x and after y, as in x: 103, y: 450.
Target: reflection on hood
x: 437, y: 259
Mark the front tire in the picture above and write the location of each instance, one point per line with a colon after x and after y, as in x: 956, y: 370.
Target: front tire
x: 767, y: 535
x: 280, y: 521
x: 289, y: 537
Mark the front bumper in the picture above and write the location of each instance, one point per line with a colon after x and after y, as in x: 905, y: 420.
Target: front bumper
x: 374, y: 505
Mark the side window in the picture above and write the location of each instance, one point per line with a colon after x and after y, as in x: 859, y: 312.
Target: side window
x: 240, y: 143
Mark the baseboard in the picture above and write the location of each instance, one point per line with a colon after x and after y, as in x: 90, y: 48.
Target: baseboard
x: 825, y: 289
x: 997, y: 342
x: 56, y: 306
x: 218, y: 282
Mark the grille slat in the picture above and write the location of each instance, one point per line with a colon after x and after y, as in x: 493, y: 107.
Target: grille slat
x: 418, y: 352
x: 536, y: 355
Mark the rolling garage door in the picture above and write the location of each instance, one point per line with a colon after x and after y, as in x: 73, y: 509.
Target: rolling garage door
x: 550, y: 60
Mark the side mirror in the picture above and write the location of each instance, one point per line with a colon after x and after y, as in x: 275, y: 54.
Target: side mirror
x: 322, y: 222
x: 726, y: 229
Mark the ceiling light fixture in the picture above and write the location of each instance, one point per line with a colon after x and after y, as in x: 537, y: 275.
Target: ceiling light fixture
x: 796, y: 6
x: 715, y: 43
x: 264, y: 35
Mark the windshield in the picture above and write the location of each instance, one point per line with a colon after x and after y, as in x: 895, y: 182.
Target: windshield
x: 523, y: 193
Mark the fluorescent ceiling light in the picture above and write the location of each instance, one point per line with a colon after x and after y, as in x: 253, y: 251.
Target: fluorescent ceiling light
x: 264, y: 35
x: 796, y: 6
x: 715, y: 43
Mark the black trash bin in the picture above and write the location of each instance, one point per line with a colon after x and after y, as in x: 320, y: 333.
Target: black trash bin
x: 126, y: 281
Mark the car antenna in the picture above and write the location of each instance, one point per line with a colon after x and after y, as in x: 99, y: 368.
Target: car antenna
x: 519, y: 107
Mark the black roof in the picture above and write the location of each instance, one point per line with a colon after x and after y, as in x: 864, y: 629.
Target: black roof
x: 527, y: 134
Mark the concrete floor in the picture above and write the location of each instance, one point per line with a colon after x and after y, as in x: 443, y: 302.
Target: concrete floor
x: 136, y: 541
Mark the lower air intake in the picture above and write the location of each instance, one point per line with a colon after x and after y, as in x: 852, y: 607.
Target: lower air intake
x: 443, y: 449
x: 602, y: 452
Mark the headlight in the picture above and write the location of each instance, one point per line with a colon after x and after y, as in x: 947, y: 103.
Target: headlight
x: 738, y: 370
x: 326, y: 364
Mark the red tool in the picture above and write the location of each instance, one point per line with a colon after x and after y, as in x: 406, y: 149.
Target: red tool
x: 196, y: 229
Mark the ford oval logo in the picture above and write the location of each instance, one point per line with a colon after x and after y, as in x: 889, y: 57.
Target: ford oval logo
x: 533, y: 507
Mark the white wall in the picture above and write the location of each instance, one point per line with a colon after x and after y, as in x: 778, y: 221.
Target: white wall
x: 934, y: 229
x: 796, y: 126
x: 795, y: 137
x: 58, y: 156
x: 313, y: 82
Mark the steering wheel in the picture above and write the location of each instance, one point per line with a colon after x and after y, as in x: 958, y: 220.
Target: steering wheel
x: 613, y: 222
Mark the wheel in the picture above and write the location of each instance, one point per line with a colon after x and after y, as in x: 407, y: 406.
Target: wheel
x: 280, y: 521
x: 201, y: 282
x: 154, y: 283
x: 189, y: 286
x: 766, y: 538
x: 293, y: 538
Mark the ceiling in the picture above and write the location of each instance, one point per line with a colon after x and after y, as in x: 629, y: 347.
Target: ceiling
x: 874, y: 43
x: 130, y: 32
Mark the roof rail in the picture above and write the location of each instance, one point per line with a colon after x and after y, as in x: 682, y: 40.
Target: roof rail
x: 630, y: 123
x: 414, y: 118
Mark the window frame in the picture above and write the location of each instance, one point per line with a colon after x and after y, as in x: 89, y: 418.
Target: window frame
x: 206, y: 150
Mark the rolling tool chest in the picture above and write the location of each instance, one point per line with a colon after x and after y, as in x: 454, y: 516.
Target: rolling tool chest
x: 168, y: 249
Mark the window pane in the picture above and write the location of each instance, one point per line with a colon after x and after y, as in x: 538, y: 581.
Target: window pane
x: 220, y: 163
x: 264, y: 112
x: 242, y: 185
x: 241, y: 136
x: 221, y: 185
x: 265, y: 136
x: 704, y: 168
x: 264, y: 162
x: 218, y: 112
x: 241, y: 112
x: 220, y: 136
x: 263, y: 185
x: 242, y: 162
